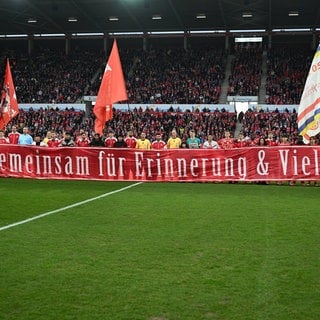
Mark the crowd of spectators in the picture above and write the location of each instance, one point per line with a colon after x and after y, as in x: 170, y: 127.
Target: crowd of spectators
x: 156, y: 76
x: 42, y: 120
x: 204, y: 123
x: 246, y: 69
x: 150, y: 122
x: 262, y: 123
x: 170, y: 76
x: 174, y: 75
x: 53, y: 77
x: 286, y: 74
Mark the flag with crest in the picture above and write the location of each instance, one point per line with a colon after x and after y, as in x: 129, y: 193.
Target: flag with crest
x: 9, y: 104
x: 112, y: 89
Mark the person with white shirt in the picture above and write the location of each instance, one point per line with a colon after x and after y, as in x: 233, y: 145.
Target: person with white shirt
x: 210, y: 143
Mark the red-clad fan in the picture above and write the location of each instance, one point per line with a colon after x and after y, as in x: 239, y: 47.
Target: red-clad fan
x: 284, y: 141
x: 110, y: 140
x: 53, y: 141
x: 271, y: 140
x: 227, y: 142
x: 130, y: 140
x: 14, y: 135
x: 242, y: 142
x: 158, y: 143
x: 3, y: 139
x: 262, y: 142
x: 256, y: 138
x: 83, y: 141
x: 79, y: 136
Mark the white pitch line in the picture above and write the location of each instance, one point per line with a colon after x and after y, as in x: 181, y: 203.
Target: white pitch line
x: 67, y: 207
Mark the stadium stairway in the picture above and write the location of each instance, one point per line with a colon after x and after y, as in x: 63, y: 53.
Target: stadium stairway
x: 225, y: 83
x: 238, y: 128
x: 262, y: 89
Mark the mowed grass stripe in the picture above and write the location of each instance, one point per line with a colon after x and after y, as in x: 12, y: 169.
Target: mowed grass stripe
x: 26, y: 198
x: 169, y: 251
x: 42, y: 215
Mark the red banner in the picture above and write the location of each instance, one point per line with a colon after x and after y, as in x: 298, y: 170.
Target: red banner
x: 245, y: 164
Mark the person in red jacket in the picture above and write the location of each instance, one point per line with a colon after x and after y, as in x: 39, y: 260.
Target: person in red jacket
x: 271, y: 140
x: 158, y: 143
x: 3, y: 139
x: 242, y: 142
x: 110, y: 140
x: 14, y: 135
x: 83, y: 141
x: 53, y: 141
x: 130, y: 140
x: 227, y: 142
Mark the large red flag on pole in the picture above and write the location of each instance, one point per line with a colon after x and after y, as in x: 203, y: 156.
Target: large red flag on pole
x: 112, y: 89
x: 9, y: 104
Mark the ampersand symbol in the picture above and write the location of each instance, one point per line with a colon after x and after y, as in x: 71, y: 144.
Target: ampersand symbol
x: 262, y: 168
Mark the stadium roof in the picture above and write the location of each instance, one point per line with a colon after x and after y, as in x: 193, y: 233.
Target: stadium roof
x: 109, y: 16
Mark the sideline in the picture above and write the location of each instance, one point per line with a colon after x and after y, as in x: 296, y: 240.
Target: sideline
x: 67, y: 207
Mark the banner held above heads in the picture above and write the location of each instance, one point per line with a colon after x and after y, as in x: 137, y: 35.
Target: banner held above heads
x: 9, y: 104
x: 112, y: 89
x: 309, y: 108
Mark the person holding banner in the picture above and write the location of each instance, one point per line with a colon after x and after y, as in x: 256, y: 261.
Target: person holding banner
x: 67, y: 140
x: 3, y: 139
x: 174, y: 142
x: 193, y: 142
x: 227, y: 142
x: 25, y: 138
x: 14, y: 135
x: 158, y: 143
x: 130, y: 140
x: 210, y: 143
x: 143, y: 142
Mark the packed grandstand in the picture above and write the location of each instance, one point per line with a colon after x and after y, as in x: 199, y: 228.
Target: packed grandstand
x: 199, y: 76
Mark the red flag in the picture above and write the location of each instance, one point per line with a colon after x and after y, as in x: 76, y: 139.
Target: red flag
x: 112, y: 89
x: 9, y: 104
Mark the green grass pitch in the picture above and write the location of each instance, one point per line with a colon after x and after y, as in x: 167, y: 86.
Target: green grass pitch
x: 159, y: 251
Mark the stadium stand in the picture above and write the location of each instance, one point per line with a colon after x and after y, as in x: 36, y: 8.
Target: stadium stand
x: 287, y: 71
x: 245, y: 72
x: 157, y: 76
